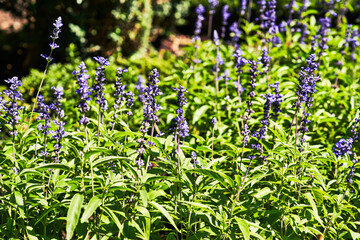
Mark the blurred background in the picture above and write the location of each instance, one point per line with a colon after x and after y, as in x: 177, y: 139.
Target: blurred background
x: 104, y: 27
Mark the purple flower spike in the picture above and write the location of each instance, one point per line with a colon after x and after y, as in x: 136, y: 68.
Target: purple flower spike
x: 59, y: 132
x: 100, y: 82
x: 83, y: 91
x: 58, y: 24
x: 181, y: 127
x: 120, y: 90
x: 225, y: 15
x: 343, y: 147
x: 11, y: 107
x: 199, y: 11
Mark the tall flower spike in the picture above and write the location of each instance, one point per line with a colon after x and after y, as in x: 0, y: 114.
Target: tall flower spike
x: 11, y: 107
x: 141, y: 88
x: 199, y: 12
x: 100, y: 82
x: 129, y: 102
x: 235, y: 34
x: 181, y: 128
x: 352, y: 41
x: 83, y: 91
x: 225, y: 15
x: 59, y: 132
x: 306, y: 88
x: 44, y: 126
x: 243, y: 7
x: 150, y: 109
x: 320, y: 39
x: 119, y: 90
x: 57, y: 29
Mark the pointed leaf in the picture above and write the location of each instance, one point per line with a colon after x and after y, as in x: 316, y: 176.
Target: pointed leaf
x: 244, y: 227
x: 90, y: 208
x: 165, y: 213
x: 73, y: 215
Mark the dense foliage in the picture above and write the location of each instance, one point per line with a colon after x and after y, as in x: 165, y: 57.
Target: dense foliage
x: 251, y: 137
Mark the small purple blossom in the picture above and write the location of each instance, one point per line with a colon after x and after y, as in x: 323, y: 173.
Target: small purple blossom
x: 214, y: 121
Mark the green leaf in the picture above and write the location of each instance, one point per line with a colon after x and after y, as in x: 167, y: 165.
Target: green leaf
x: 93, y: 204
x: 20, y: 203
x: 112, y: 216
x: 222, y: 178
x: 53, y: 166
x: 314, y: 208
x: 106, y: 160
x: 263, y: 192
x: 47, y: 211
x: 243, y: 227
x: 198, y: 113
x: 73, y: 215
x: 165, y: 213
x: 202, y: 206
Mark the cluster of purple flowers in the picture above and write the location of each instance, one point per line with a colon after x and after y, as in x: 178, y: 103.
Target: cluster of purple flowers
x: 141, y: 88
x: 59, y: 132
x: 150, y: 93
x: 305, y: 90
x: 58, y: 24
x: 352, y: 40
x: 213, y: 4
x: 272, y: 103
x: 265, y: 60
x: 343, y: 146
x: 225, y: 16
x: 235, y: 34
x: 200, y: 10
x: 268, y: 19
x: 181, y: 128
x: 84, y: 91
x: 243, y: 4
x: 119, y: 90
x: 129, y: 102
x: 320, y: 39
x: 150, y: 109
x: 44, y: 126
x: 100, y: 83
x: 251, y: 95
x: 11, y: 107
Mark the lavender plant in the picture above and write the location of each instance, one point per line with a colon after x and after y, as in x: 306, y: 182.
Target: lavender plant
x: 56, y: 31
x: 225, y: 16
x: 59, y: 132
x: 119, y: 93
x: 12, y: 108
x: 44, y: 126
x: 99, y: 89
x: 84, y: 92
x: 151, y: 107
